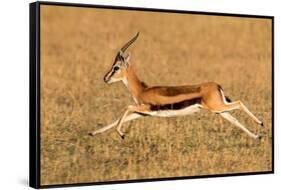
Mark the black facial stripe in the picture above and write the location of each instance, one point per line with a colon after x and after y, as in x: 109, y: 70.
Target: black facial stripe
x: 112, y: 73
x: 109, y: 74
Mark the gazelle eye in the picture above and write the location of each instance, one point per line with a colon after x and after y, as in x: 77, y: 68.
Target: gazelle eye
x: 115, y: 68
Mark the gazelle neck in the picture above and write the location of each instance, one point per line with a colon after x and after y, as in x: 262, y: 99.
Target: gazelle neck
x: 134, y: 85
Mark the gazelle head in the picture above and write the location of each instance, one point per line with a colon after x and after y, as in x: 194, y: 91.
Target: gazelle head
x: 119, y: 69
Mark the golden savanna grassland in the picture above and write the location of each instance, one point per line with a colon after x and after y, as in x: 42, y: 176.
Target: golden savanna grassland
x: 78, y: 46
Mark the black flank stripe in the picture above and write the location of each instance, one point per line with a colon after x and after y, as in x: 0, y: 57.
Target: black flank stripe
x: 176, y: 106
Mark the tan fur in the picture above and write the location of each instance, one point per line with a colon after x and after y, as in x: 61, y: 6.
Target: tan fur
x: 161, y: 95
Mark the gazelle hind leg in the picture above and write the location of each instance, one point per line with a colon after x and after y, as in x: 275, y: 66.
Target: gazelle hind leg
x: 228, y: 106
x: 234, y: 121
x: 238, y: 105
x: 245, y: 109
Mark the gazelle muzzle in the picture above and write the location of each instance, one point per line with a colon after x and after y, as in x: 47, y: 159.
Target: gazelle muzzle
x: 108, y: 76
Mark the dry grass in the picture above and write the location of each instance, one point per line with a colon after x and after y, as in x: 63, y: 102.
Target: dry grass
x: 77, y: 48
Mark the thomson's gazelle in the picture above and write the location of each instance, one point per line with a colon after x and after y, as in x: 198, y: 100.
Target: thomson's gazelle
x: 168, y: 101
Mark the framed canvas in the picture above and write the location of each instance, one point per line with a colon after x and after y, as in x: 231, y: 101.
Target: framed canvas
x: 121, y: 94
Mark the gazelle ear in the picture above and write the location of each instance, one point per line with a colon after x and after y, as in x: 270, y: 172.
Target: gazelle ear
x: 127, y: 58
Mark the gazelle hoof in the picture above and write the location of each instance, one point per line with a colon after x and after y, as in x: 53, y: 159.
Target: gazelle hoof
x: 122, y: 135
x: 262, y: 124
x: 258, y: 137
x: 91, y: 134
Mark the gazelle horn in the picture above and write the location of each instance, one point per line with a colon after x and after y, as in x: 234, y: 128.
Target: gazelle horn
x: 125, y: 47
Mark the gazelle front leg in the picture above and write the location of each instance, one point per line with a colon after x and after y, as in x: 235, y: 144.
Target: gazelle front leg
x: 139, y: 108
x: 128, y: 118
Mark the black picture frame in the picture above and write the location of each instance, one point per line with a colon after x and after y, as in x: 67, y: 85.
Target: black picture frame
x: 34, y: 91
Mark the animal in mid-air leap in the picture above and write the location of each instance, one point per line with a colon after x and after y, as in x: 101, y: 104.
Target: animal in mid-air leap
x: 168, y: 101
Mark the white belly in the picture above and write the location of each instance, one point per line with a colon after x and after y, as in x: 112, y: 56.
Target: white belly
x: 173, y: 113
